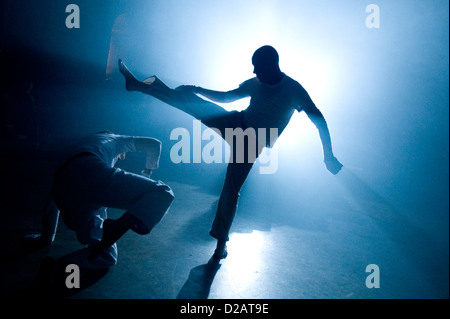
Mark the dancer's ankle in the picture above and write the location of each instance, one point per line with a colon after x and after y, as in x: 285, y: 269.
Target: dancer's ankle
x: 221, y: 250
x: 149, y: 81
x: 134, y: 224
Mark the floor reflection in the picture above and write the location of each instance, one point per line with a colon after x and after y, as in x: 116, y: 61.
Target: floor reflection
x: 245, y: 260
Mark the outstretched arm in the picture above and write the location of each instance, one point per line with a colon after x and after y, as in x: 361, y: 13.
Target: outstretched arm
x: 221, y: 97
x: 215, y: 96
x: 317, y: 118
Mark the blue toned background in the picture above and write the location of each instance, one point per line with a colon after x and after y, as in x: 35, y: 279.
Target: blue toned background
x: 383, y: 91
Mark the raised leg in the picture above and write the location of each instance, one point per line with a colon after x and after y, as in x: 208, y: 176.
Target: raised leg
x: 187, y: 102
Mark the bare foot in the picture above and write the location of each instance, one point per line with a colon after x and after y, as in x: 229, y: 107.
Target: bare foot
x: 131, y: 83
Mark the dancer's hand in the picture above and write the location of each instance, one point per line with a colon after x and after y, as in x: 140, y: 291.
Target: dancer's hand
x: 333, y: 165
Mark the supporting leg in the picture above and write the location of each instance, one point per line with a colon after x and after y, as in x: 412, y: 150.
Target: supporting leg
x: 146, y: 202
x: 227, y: 206
x: 113, y: 230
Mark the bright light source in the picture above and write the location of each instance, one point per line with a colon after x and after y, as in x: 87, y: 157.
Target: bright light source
x: 245, y: 259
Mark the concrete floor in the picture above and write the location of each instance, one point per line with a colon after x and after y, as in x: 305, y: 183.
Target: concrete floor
x: 318, y: 250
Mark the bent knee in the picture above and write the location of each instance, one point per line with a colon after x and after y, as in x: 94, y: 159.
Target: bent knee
x: 167, y: 197
x: 166, y: 192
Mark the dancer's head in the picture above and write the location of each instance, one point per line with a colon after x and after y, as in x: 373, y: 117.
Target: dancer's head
x: 265, y: 62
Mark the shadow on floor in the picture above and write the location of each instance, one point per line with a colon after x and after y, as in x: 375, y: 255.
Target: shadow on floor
x: 55, y: 281
x: 200, y: 280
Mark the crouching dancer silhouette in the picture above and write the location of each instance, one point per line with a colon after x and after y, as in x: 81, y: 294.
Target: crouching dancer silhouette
x: 87, y: 182
x: 274, y: 97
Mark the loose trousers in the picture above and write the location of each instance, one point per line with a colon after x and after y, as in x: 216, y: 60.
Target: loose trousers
x: 86, y: 186
x: 213, y: 116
